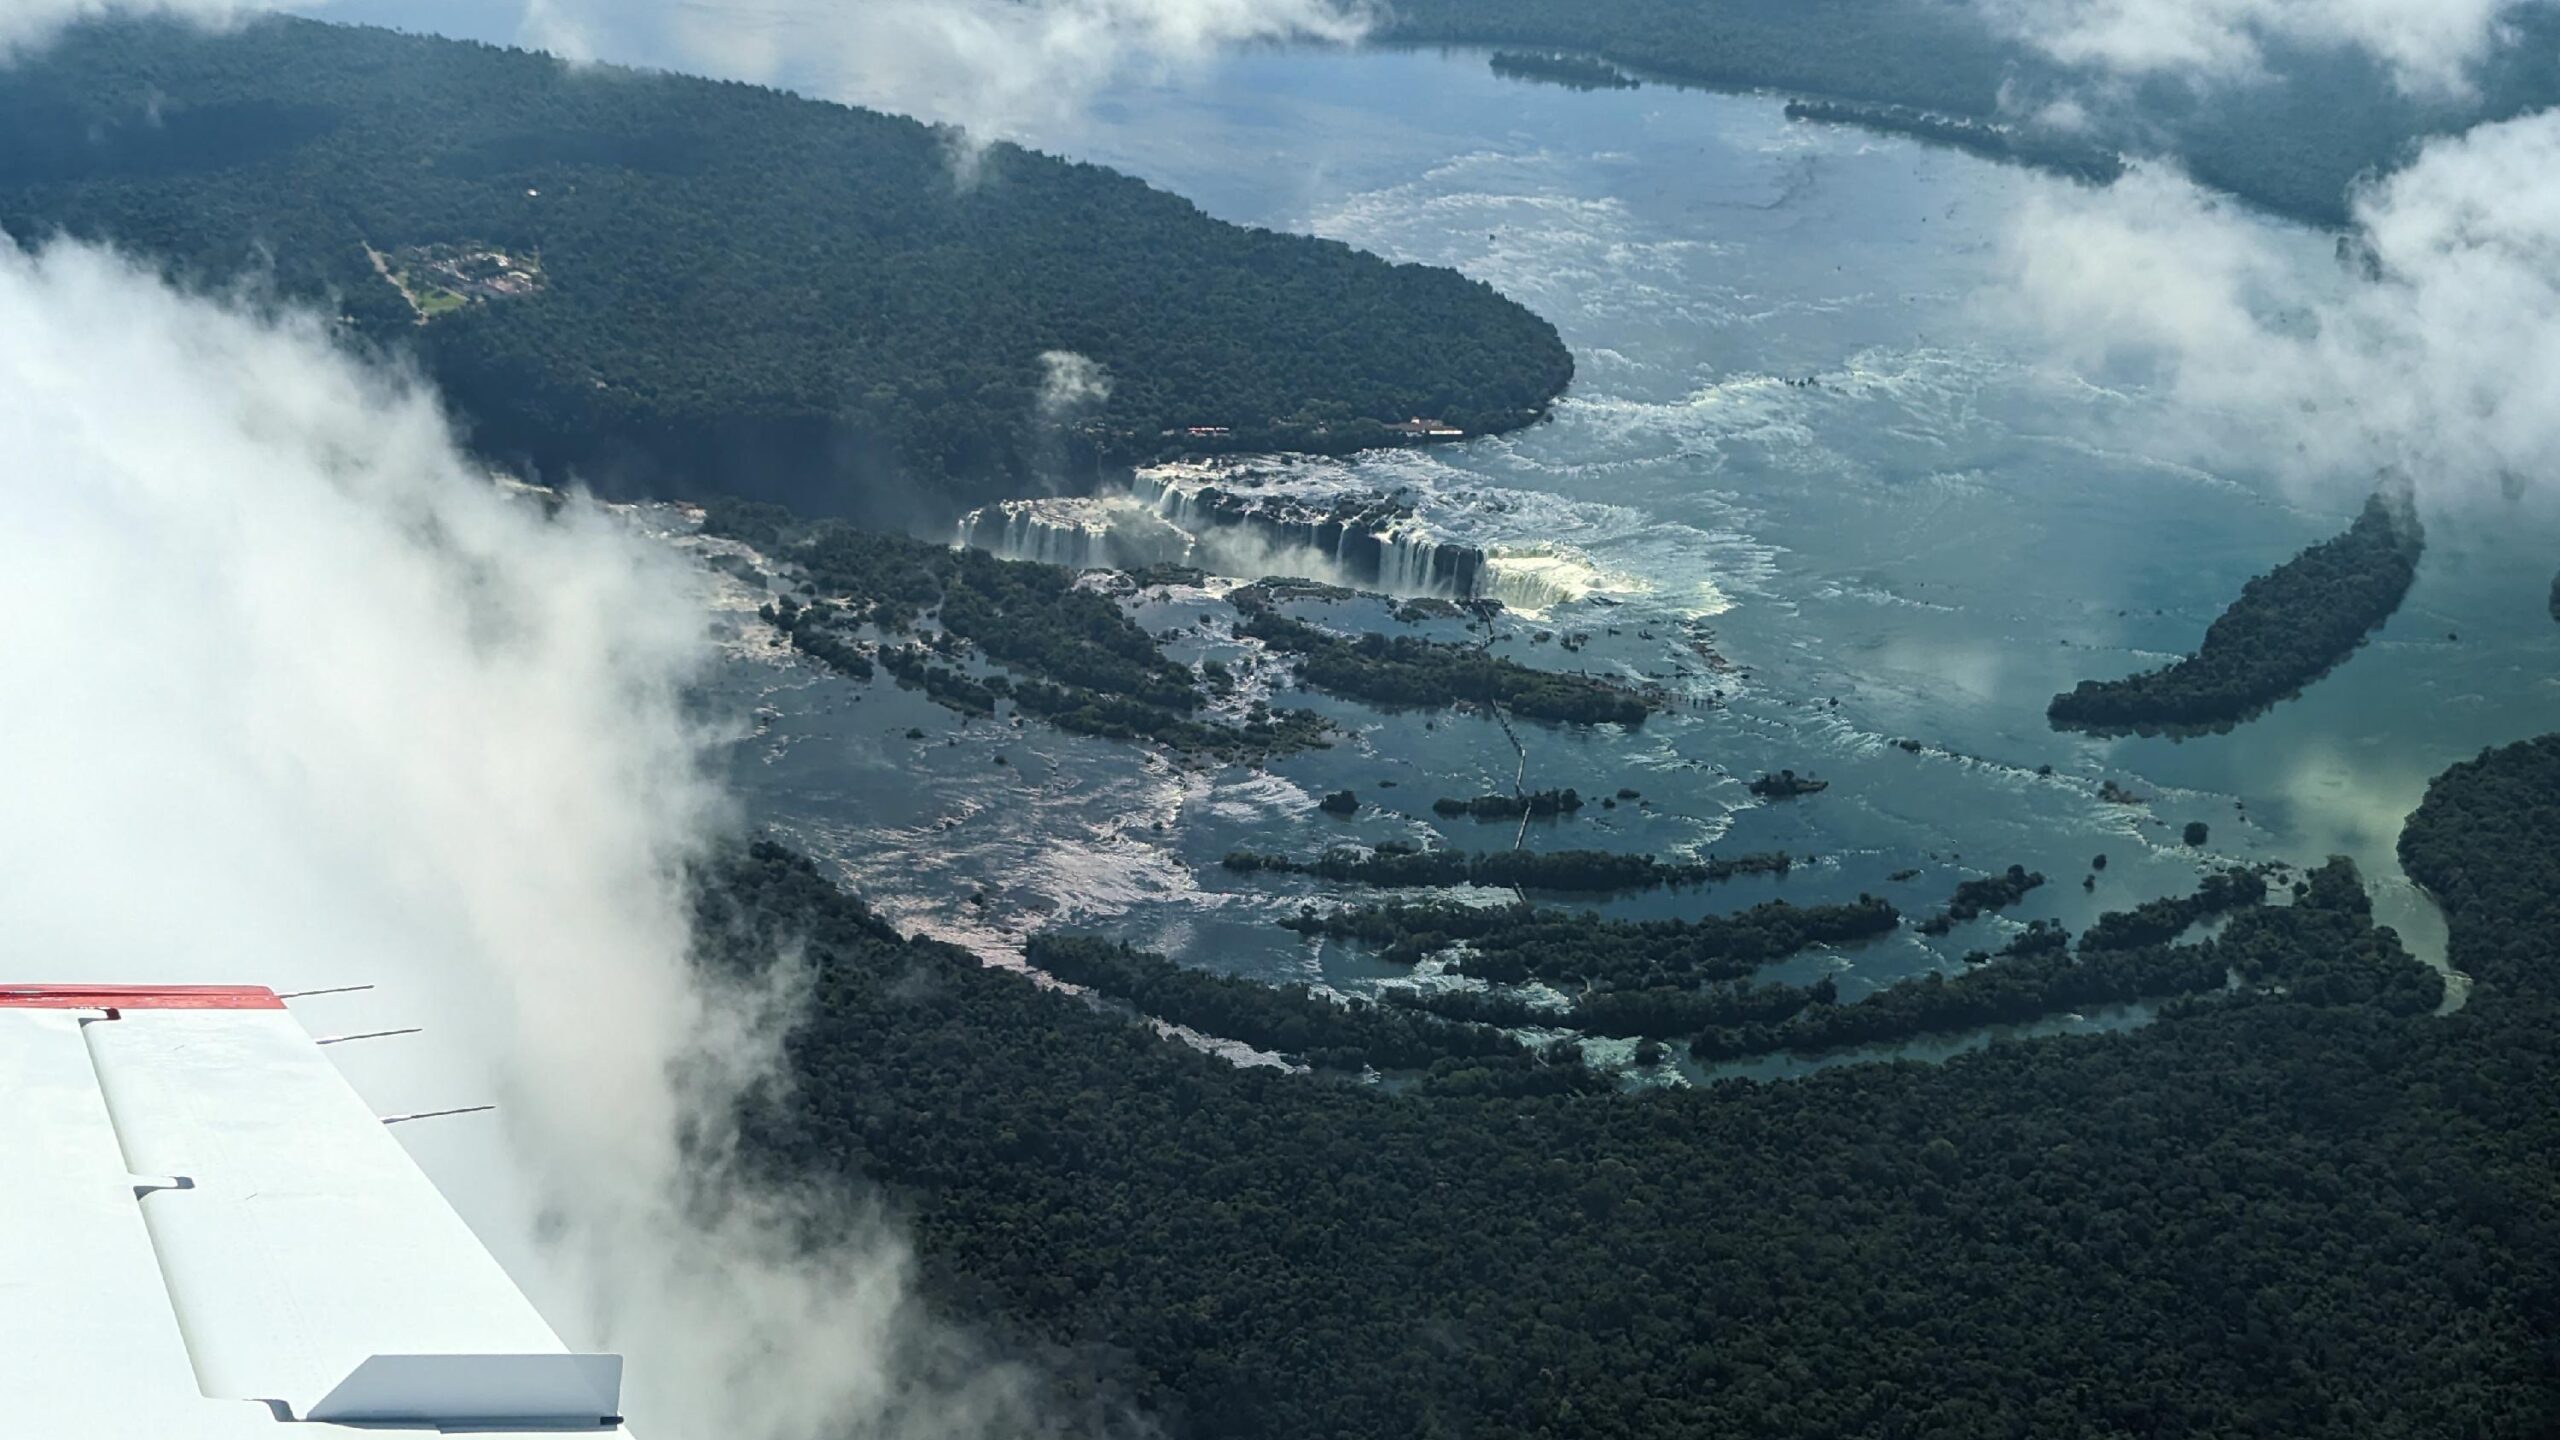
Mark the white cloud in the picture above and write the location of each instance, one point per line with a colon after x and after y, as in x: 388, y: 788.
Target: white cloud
x: 2429, y: 46
x: 1070, y: 382
x: 26, y: 22
x: 996, y: 69
x: 1000, y: 69
x: 297, y: 697
x: 2438, y: 354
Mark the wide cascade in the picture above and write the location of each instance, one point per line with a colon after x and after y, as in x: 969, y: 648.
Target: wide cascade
x: 1234, y: 523
x: 1082, y: 534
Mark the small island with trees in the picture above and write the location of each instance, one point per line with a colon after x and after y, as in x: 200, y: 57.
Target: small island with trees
x: 1540, y: 804
x: 1787, y: 785
x: 1981, y: 895
x: 2322, y: 949
x: 2059, y: 154
x: 1403, y: 865
x: 1406, y: 671
x: 1515, y: 944
x: 2289, y: 627
x: 1293, y: 1021
x: 1555, y: 67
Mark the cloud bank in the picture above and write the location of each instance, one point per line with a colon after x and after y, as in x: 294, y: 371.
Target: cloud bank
x: 2436, y: 353
x: 2429, y: 46
x: 999, y: 69
x: 994, y: 69
x: 297, y: 697
x: 30, y: 22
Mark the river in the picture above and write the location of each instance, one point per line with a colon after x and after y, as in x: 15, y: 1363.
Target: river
x: 1803, y: 419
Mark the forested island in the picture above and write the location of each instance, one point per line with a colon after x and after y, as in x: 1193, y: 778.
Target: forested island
x: 1984, y: 893
x: 1082, y: 663
x: 2063, y: 155
x: 2208, y: 1225
x: 1406, y: 671
x: 2289, y: 627
x: 1539, y: 804
x: 1578, y: 72
x: 1399, y: 865
x: 1297, y: 1023
x: 2295, y: 140
x: 1787, y: 785
x: 686, y: 286
x: 2323, y: 948
x: 1514, y: 944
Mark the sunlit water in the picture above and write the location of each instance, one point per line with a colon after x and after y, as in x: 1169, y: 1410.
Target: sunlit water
x: 1803, y: 419
x: 1937, y: 532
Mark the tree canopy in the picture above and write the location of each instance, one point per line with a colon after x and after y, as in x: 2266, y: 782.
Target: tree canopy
x: 702, y: 287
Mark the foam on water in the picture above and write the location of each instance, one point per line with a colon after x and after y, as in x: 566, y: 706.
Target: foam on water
x: 1102, y: 532
x: 1537, y: 578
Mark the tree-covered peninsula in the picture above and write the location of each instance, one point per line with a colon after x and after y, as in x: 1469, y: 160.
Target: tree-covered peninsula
x: 2289, y: 627
x: 700, y: 287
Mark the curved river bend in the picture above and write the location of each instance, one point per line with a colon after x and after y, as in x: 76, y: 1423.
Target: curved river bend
x: 1803, y: 434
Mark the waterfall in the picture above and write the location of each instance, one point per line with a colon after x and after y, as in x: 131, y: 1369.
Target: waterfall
x: 1264, y: 525
x: 1078, y: 534
x: 1540, y: 577
x: 1409, y: 564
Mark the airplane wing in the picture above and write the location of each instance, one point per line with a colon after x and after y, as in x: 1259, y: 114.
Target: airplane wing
x: 205, y: 1232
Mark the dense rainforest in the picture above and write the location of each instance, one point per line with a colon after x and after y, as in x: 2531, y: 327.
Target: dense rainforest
x: 2289, y: 627
x: 2298, y: 1211
x: 1539, y: 804
x: 2294, y: 139
x: 697, y: 287
x: 1577, y: 72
